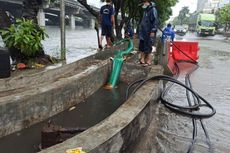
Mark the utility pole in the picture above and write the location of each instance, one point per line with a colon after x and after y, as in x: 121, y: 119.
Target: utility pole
x: 63, y: 40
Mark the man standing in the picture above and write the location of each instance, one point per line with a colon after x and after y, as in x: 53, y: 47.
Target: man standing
x: 107, y: 22
x: 147, y: 32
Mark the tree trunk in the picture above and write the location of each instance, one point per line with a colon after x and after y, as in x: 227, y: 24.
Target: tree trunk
x: 118, y: 32
x: 119, y: 25
x: 88, y: 7
x: 30, y: 9
x: 4, y: 20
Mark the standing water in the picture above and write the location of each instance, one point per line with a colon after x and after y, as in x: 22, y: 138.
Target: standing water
x: 211, y: 81
x: 80, y: 42
x: 84, y: 115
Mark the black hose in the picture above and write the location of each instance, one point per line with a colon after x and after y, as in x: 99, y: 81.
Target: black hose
x: 188, y: 83
x: 184, y: 110
x: 180, y: 109
x: 177, y: 108
x: 194, y: 121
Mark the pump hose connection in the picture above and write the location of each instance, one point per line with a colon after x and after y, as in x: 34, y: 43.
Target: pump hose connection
x: 194, y: 104
x: 118, y: 61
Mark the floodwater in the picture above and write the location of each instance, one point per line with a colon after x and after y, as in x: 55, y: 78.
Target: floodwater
x: 80, y: 42
x: 95, y: 109
x: 211, y: 81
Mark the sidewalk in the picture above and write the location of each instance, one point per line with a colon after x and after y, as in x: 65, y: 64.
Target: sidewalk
x: 227, y: 36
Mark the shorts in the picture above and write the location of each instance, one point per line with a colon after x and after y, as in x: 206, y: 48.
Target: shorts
x: 106, y: 30
x: 146, y: 45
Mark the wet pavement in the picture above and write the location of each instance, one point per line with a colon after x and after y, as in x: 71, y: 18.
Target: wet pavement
x: 84, y: 115
x: 211, y: 81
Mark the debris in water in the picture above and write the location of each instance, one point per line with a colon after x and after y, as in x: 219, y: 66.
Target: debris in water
x: 72, y: 108
x: 53, y: 134
x: 75, y: 150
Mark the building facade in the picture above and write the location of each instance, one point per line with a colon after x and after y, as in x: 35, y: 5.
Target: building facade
x: 201, y: 5
x: 223, y: 3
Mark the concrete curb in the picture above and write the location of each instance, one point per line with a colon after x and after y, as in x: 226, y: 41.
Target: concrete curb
x: 25, y: 109
x: 54, y: 91
x: 26, y: 79
x: 121, y: 129
x: 114, y: 134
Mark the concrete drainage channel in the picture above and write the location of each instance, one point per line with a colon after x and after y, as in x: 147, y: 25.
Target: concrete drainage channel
x: 57, y: 90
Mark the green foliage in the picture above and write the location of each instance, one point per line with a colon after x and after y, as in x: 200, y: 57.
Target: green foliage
x: 134, y: 10
x: 164, y: 9
x: 53, y: 1
x: 183, y: 15
x: 224, y: 16
x: 24, y: 35
x: 176, y: 21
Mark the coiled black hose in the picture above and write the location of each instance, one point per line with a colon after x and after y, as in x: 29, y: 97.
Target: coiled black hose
x: 174, y: 107
x: 198, y: 101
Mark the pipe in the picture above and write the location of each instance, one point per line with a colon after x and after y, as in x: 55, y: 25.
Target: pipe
x: 118, y: 62
x: 63, y: 34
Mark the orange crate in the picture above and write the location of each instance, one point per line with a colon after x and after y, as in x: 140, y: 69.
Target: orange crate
x: 189, y: 48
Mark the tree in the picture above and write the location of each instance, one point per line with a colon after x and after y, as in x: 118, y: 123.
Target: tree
x: 176, y: 21
x: 19, y: 36
x: 89, y: 8
x: 224, y: 15
x: 127, y: 11
x: 183, y: 15
x: 164, y: 9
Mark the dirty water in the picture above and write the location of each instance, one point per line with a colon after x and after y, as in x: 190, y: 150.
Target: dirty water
x: 96, y: 108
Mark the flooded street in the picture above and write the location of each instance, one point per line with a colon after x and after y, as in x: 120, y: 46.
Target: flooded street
x: 80, y: 42
x: 211, y: 81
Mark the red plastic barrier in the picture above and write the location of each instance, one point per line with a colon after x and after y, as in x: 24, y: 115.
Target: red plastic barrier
x: 171, y: 61
x: 189, y: 48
